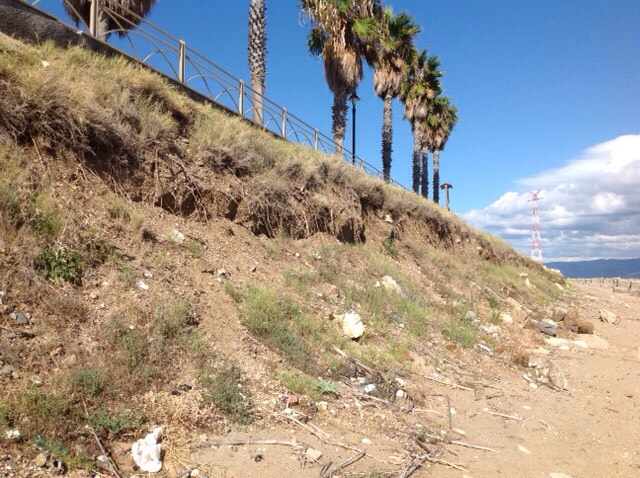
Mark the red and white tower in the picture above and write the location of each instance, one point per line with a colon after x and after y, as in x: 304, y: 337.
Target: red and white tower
x: 536, y: 242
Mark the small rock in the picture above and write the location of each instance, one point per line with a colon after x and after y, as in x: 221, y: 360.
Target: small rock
x: 582, y: 327
x: 594, y: 342
x: 608, y: 317
x: 22, y: 319
x: 313, y: 454
x: 41, y: 460
x: 388, y: 218
x: 557, y: 378
x: 556, y: 342
x: 490, y: 329
x: 524, y: 450
x: 178, y: 236
x: 559, y: 314
x: 389, y: 283
x: 548, y: 328
x: 366, y: 441
x: 13, y: 434
x: 147, y: 274
x: 506, y: 318
x: 294, y: 399
x: 581, y: 343
x: 253, y: 269
x: 7, y: 370
x: 10, y: 336
x: 102, y: 462
x: 471, y: 316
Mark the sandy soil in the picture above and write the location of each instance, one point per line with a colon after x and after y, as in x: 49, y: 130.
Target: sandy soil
x: 591, y: 430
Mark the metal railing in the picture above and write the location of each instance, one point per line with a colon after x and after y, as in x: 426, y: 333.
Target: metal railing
x: 171, y: 56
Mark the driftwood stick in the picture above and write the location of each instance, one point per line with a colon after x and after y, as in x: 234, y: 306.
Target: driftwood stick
x: 294, y: 444
x: 452, y: 385
x: 449, y: 410
x: 446, y: 463
x: 426, y: 410
x: 324, y: 469
x: 510, y: 417
x: 341, y: 466
x: 469, y: 445
x: 415, y: 466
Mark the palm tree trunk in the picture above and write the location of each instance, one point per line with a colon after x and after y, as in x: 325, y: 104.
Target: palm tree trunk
x: 436, y: 176
x: 387, y: 135
x: 257, y: 53
x: 102, y: 26
x: 424, y: 186
x: 416, y: 161
x: 339, y: 119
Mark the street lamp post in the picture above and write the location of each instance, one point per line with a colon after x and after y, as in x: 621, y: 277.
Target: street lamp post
x: 446, y: 187
x: 354, y: 99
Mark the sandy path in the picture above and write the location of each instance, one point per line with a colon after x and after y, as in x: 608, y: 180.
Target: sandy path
x: 591, y: 431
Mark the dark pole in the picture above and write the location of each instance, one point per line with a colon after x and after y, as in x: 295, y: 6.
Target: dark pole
x: 354, y: 99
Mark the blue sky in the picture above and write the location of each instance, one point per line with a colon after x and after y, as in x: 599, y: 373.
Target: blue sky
x: 539, y: 85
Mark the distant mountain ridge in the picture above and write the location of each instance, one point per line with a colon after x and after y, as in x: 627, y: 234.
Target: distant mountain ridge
x: 629, y: 268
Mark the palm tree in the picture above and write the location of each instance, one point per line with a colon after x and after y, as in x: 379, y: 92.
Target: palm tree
x: 257, y: 54
x: 131, y: 10
x: 421, y: 87
x: 340, y: 34
x: 393, y: 50
x: 445, y: 118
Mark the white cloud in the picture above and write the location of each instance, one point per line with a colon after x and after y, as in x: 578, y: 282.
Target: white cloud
x: 591, y: 206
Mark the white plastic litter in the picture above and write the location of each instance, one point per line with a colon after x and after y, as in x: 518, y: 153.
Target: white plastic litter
x: 352, y: 325
x: 146, y: 452
x: 142, y: 285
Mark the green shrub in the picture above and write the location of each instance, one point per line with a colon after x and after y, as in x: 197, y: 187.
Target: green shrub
x: 271, y: 318
x: 46, y: 221
x: 60, y: 264
x: 106, y: 422
x: 173, y: 320
x: 222, y: 389
x: 390, y: 247
x: 87, y: 382
x: 462, y: 332
x: 326, y: 387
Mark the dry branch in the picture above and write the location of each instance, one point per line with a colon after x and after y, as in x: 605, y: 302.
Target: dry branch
x: 510, y: 417
x: 452, y: 385
x: 469, y: 445
x: 250, y: 442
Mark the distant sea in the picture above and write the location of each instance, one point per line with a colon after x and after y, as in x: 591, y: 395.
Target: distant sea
x: 629, y: 268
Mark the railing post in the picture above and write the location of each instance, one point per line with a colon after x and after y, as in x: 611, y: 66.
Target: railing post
x: 284, y: 122
x: 315, y: 137
x: 93, y: 18
x: 241, y: 98
x: 181, y: 61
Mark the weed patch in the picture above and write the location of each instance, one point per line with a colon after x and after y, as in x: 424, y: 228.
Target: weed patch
x: 271, y: 318
x: 222, y: 388
x: 60, y: 264
x: 461, y: 331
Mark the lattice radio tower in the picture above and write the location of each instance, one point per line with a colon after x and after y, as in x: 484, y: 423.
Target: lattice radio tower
x: 536, y: 242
